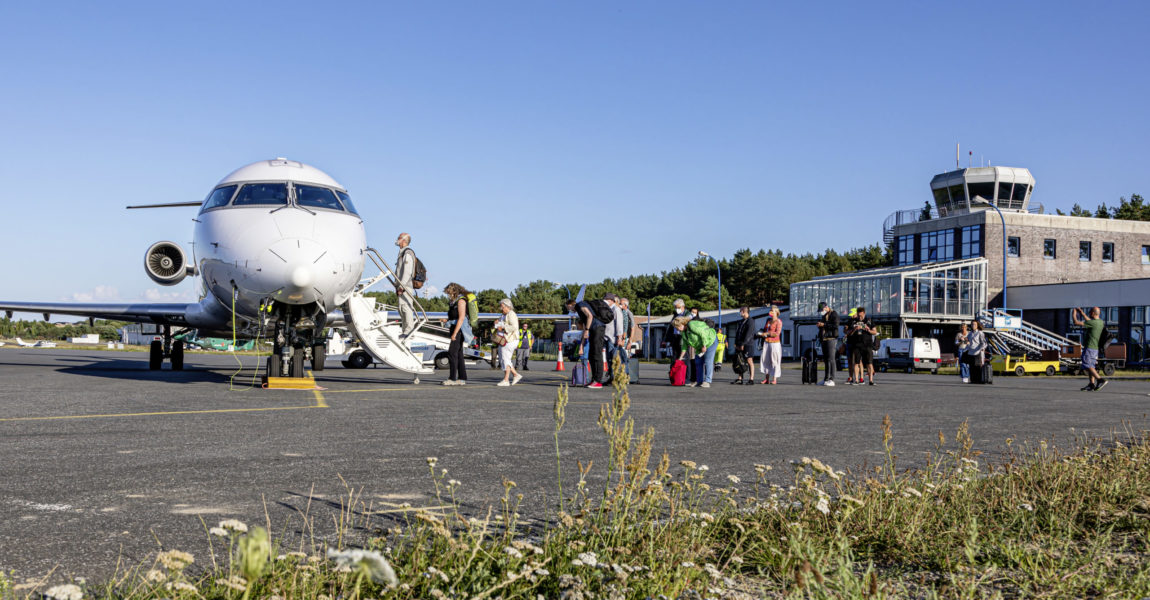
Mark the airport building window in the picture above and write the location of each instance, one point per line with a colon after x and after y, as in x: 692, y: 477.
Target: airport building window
x: 262, y: 194
x: 316, y: 197
x: 905, y: 249
x: 1146, y: 255
x: 1138, y: 315
x: 971, y: 242
x: 1013, y: 247
x: 1084, y: 251
x: 1107, y: 251
x: 219, y: 197
x: 1050, y: 249
x: 986, y: 190
x: 343, y: 197
x: 937, y: 246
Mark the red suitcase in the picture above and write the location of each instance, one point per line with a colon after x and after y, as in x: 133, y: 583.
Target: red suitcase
x: 678, y: 373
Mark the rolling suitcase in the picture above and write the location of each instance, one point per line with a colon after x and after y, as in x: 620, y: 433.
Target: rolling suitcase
x: 633, y: 369
x: 678, y: 373
x: 987, y: 373
x: 810, y: 367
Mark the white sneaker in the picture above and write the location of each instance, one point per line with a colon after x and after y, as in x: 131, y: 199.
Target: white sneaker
x: 829, y: 383
x: 503, y: 383
x: 705, y: 384
x: 517, y: 379
x: 966, y: 380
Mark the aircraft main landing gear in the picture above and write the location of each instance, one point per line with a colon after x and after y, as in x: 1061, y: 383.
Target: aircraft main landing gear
x: 166, y: 348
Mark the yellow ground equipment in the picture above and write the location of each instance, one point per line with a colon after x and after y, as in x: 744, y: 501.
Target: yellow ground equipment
x: 1020, y: 365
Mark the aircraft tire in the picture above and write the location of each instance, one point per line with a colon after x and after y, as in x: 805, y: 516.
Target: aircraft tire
x: 318, y: 353
x: 275, y: 366
x: 156, y: 356
x: 296, y: 363
x: 177, y: 356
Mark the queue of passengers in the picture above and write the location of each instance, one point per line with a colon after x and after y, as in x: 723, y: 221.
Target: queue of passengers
x: 606, y: 325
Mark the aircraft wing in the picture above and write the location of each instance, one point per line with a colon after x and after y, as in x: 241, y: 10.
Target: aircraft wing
x: 161, y: 314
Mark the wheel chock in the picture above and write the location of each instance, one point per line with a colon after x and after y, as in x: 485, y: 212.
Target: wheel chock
x: 289, y: 383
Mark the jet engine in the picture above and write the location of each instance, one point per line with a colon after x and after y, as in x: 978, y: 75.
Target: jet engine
x: 166, y: 263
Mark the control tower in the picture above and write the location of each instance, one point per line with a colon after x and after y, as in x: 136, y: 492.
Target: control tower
x: 969, y: 190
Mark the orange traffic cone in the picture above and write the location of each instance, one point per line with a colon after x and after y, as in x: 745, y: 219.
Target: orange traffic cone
x: 559, y: 362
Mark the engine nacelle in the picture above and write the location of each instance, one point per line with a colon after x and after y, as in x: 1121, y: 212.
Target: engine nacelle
x: 166, y: 263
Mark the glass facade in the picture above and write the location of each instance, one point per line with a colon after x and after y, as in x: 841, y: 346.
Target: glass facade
x: 937, y: 246
x: 971, y: 242
x: 954, y: 290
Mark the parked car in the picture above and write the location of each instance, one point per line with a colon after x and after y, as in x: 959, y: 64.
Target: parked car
x: 909, y: 354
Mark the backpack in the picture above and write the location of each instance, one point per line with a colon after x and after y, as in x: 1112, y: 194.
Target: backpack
x: 1104, y: 340
x: 601, y: 311
x: 739, y: 365
x: 472, y: 310
x: 420, y: 276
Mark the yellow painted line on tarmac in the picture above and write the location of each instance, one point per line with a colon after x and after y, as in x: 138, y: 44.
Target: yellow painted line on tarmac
x: 319, y: 401
x: 155, y: 414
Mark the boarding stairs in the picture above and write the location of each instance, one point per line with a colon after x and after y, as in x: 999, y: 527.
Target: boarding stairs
x: 378, y: 328
x: 1026, y: 338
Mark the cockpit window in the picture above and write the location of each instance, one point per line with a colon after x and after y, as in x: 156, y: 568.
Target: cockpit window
x: 253, y: 194
x: 316, y: 197
x: 343, y: 197
x: 219, y: 197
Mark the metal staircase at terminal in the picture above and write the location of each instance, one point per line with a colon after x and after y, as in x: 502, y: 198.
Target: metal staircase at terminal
x: 1027, y: 338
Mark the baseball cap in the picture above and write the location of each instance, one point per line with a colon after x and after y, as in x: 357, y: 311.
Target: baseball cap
x: 610, y: 296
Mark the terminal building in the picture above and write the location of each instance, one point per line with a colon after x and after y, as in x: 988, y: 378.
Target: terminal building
x: 987, y: 242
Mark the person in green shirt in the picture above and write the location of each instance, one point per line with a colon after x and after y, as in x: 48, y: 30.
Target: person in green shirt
x: 1091, y: 336
x: 698, y: 335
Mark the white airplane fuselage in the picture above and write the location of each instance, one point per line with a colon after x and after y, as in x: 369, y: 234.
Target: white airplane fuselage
x: 288, y: 253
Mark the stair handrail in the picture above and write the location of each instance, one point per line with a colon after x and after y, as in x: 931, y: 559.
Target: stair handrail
x: 385, y: 272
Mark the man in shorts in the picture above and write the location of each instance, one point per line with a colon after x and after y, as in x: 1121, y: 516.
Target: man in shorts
x: 861, y: 332
x: 1091, y: 335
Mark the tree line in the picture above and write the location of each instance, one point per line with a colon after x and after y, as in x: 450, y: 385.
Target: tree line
x: 43, y: 330
x: 1132, y: 209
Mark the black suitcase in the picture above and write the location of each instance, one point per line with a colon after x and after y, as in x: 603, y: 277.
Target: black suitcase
x: 810, y: 367
x: 633, y: 367
x: 987, y: 373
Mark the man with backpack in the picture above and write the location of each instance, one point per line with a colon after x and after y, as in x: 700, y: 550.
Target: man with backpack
x: 592, y: 317
x: 614, y: 336
x: 1093, y: 331
x: 860, y: 337
x: 410, y: 276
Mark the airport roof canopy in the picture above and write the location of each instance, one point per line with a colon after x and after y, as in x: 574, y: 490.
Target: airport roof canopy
x: 936, y: 292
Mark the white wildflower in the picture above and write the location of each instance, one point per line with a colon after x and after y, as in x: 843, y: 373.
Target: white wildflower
x: 512, y: 552
x: 914, y: 492
x: 733, y: 478
x: 218, y: 531
x: 181, y: 586
x: 155, y: 576
x: 235, y: 582
x: 704, y: 468
x: 576, y: 563
x: 690, y: 464
x: 431, y: 460
x: 67, y: 591
x: 373, y: 564
x: 738, y: 560
x: 1026, y: 507
x: 822, y: 505
x: 687, y: 565
x: 454, y: 483
x: 175, y: 560
x: 589, y: 558
x: 234, y: 525
x: 708, y: 517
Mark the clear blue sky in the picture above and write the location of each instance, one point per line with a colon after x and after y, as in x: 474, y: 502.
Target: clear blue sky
x: 563, y: 140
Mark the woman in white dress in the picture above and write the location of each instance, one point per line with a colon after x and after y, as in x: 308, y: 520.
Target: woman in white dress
x: 508, y: 325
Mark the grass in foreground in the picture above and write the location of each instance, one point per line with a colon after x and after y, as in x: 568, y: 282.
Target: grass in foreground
x: 1041, y: 524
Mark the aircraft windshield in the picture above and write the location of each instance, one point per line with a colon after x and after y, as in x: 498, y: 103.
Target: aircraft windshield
x: 254, y: 194
x: 316, y: 197
x: 219, y: 197
x: 343, y: 197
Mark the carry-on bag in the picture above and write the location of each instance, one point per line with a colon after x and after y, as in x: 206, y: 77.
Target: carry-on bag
x: 633, y: 369
x: 810, y: 367
x: 987, y: 372
x: 678, y: 373
x: 579, y: 374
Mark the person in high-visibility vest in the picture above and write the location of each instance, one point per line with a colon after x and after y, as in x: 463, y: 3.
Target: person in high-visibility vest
x: 523, y: 351
x: 721, y: 348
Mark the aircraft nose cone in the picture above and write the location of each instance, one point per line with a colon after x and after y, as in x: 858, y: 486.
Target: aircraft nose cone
x: 301, y: 277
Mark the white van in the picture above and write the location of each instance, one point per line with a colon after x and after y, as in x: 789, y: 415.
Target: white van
x: 909, y: 354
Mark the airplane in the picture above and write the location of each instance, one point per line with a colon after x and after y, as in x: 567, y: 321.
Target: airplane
x: 39, y: 344
x: 279, y: 248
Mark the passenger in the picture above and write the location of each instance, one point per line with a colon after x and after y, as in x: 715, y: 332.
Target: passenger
x: 592, y: 329
x: 523, y: 352
x: 1091, y: 336
x: 628, y: 327
x: 772, y: 347
x: 848, y: 348
x: 829, y: 335
x: 614, y: 337
x: 960, y: 346
x: 700, y: 336
x: 975, y: 349
x: 744, y: 340
x: 862, y: 346
x: 508, y: 325
x: 404, y: 273
x: 460, y: 333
